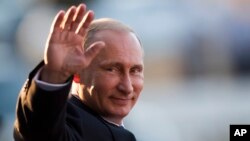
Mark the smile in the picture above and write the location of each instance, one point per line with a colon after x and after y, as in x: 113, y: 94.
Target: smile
x: 120, y: 101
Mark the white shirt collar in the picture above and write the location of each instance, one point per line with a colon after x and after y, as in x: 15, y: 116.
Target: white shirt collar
x: 119, y: 125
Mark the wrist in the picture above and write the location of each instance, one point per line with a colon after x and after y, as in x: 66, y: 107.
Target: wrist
x: 54, y: 77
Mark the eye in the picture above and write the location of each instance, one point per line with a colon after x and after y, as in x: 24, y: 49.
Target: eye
x: 136, y: 70
x: 111, y: 69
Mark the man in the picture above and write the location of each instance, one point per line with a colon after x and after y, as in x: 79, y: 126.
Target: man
x: 103, y: 60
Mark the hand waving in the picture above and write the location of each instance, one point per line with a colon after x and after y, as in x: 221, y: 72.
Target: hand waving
x: 64, y: 54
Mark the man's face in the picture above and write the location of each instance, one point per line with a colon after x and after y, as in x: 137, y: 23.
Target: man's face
x: 114, y: 79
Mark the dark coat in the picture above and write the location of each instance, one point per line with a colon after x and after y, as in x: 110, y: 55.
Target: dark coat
x: 57, y: 116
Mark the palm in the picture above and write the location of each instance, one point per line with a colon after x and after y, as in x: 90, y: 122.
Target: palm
x: 65, y: 51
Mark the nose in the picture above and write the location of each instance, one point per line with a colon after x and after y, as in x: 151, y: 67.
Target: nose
x: 125, y: 85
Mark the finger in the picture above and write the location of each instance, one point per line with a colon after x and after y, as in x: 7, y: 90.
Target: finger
x: 81, y: 9
x: 93, y: 50
x: 57, y: 21
x: 82, y: 28
x: 68, y: 18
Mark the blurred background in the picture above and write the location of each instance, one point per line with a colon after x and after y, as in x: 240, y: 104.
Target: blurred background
x: 197, y: 63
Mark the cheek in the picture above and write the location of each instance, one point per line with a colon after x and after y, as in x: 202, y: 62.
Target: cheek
x: 138, y: 85
x: 104, y: 84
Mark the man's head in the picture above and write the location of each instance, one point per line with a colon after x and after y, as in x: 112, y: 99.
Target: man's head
x: 113, y: 81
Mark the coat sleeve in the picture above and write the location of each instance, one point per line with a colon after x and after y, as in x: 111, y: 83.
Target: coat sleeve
x: 41, y: 114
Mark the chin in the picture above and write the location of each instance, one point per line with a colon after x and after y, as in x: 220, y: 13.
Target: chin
x: 121, y: 112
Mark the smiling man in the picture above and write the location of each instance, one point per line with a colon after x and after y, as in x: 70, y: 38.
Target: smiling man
x: 113, y: 81
x: 90, y: 79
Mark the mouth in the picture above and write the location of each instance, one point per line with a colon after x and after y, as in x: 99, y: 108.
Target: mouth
x: 120, y: 101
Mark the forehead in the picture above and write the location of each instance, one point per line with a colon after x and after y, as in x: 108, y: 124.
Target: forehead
x: 120, y: 46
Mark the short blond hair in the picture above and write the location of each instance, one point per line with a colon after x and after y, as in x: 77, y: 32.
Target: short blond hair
x: 105, y: 24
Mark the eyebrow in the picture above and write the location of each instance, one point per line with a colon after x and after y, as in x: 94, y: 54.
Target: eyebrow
x: 111, y: 63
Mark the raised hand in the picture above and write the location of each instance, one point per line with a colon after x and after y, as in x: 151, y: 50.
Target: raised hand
x: 64, y: 53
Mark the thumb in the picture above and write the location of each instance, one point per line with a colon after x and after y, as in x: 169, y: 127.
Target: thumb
x: 93, y: 50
